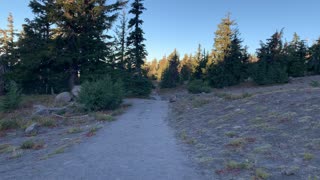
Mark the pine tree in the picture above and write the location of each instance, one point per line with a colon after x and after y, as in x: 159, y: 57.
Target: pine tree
x: 314, y: 63
x: 296, y: 57
x: 233, y: 69
x: 271, y: 67
x: 222, y: 39
x: 185, y: 68
x: 121, y: 42
x: 170, y: 77
x: 137, y: 50
x: 163, y: 64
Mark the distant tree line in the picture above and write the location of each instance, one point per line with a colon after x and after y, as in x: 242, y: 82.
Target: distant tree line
x: 230, y: 64
x: 70, y: 42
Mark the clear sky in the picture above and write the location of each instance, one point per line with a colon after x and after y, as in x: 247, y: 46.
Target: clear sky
x: 183, y: 24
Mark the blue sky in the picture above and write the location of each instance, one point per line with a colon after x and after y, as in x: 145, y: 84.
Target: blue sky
x: 183, y: 24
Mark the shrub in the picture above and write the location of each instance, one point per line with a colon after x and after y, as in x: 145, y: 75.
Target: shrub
x: 137, y: 85
x: 9, y: 124
x: 29, y: 144
x: 101, y: 94
x: 198, y: 86
x: 265, y: 73
x: 12, y: 99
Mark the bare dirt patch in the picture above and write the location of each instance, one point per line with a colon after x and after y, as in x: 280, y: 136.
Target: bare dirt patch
x: 250, y: 132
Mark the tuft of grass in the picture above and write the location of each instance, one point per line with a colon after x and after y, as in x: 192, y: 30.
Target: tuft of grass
x: 233, y: 165
x: 93, y: 131
x: 6, y: 148
x: 30, y: 144
x: 197, y: 103
x: 308, y: 156
x: 45, y: 121
x: 314, y: 84
x: 237, y: 143
x: 261, y: 174
x: 74, y: 130
x: 8, y: 124
x: 231, y: 134
x: 103, y: 117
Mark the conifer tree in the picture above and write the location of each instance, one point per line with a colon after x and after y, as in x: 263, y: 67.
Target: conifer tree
x: 296, y: 56
x: 222, y: 39
x: 137, y: 50
x: 314, y: 63
x: 121, y: 42
x: 271, y: 67
x: 170, y: 77
x: 185, y: 68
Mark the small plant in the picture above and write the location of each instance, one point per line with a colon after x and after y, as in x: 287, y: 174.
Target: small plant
x: 93, y: 131
x: 198, y: 86
x: 261, y: 174
x: 308, y: 156
x: 233, y: 165
x: 9, y: 124
x: 103, y: 117
x: 74, y: 130
x: 6, y: 148
x: 12, y: 99
x: 315, y: 84
x: 231, y: 134
x: 29, y: 144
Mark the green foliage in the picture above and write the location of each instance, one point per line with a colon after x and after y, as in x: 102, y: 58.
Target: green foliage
x: 137, y: 51
x: 137, y: 86
x: 29, y: 144
x: 271, y: 67
x: 198, y: 86
x: 12, y: 99
x: 296, y: 57
x: 101, y: 94
x: 314, y: 63
x: 234, y: 67
x: 7, y: 124
x: 170, y: 77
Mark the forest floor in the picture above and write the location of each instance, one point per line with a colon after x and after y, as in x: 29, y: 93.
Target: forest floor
x: 250, y: 132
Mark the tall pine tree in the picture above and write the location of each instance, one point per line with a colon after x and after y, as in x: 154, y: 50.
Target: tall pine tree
x: 137, y: 50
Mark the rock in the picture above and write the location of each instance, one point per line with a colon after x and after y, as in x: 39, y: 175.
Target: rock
x: 40, y: 110
x: 63, y: 98
x: 32, y: 129
x: 290, y: 171
x: 75, y: 91
x: 173, y: 99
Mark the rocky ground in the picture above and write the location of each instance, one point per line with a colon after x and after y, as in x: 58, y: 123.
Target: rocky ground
x: 250, y: 132
x: 53, y: 133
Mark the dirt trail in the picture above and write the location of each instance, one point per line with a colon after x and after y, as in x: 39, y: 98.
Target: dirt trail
x: 139, y: 145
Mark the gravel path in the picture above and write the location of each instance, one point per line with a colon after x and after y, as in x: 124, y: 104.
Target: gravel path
x: 138, y: 146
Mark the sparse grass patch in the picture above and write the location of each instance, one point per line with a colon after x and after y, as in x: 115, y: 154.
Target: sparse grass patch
x: 233, y: 165
x: 227, y: 96
x: 197, y: 103
x: 261, y: 174
x: 263, y: 148
x: 6, y: 148
x: 30, y: 144
x: 103, y: 117
x: 314, y: 84
x: 93, y: 131
x: 8, y: 124
x: 237, y: 143
x: 231, y: 134
x: 308, y: 156
x: 74, y: 130
x: 45, y: 121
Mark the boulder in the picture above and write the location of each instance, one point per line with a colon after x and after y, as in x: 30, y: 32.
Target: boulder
x: 173, y: 99
x: 63, y: 98
x: 76, y: 90
x: 40, y: 110
x: 32, y: 129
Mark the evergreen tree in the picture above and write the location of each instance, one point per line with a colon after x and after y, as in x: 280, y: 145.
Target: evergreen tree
x: 271, y: 67
x: 234, y: 67
x: 121, y: 42
x: 185, y: 68
x: 314, y: 63
x: 296, y: 57
x: 222, y: 39
x: 170, y: 77
x: 163, y: 64
x: 137, y: 50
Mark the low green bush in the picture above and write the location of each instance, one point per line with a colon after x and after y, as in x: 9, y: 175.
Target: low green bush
x: 12, y: 99
x: 198, y: 86
x: 103, y: 94
x: 8, y: 124
x: 137, y: 85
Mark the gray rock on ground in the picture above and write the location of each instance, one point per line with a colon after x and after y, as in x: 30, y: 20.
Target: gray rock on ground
x: 63, y: 98
x: 75, y: 91
x: 32, y: 129
x: 40, y: 110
